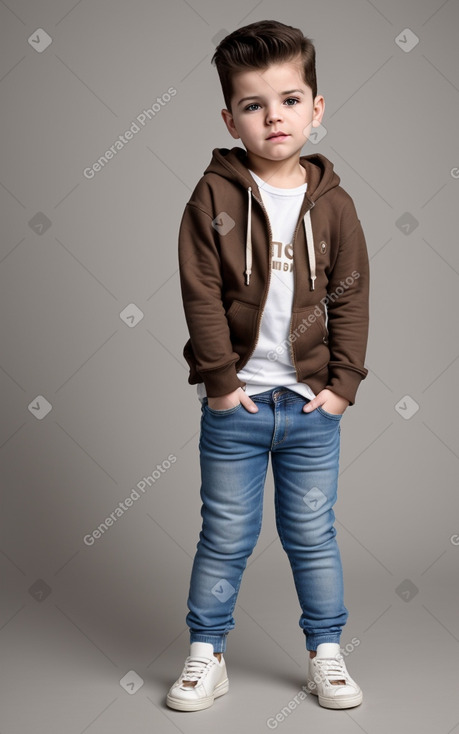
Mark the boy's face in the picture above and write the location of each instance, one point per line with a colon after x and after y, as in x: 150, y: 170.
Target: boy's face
x: 272, y: 101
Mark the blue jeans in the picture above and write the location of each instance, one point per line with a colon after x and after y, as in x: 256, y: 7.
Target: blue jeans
x: 234, y: 450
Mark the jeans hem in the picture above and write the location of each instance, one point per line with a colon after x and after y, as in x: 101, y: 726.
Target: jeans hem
x: 217, y: 641
x: 313, y: 641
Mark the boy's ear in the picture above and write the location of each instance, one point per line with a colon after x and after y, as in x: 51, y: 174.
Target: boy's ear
x: 229, y: 122
x: 318, y: 112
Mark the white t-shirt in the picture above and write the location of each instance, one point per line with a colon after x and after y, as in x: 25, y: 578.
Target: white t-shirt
x: 261, y: 373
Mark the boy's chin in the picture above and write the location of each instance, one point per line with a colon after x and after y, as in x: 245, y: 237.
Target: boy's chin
x: 276, y: 156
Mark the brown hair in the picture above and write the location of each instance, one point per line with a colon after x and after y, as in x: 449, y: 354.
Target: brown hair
x: 258, y: 45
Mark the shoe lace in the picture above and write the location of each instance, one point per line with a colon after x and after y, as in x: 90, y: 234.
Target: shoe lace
x: 331, y: 668
x: 195, y: 668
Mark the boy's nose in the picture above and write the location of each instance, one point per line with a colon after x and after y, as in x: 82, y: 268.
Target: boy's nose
x: 273, y: 115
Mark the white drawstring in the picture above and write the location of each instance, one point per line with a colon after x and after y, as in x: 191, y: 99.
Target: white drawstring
x: 310, y: 245
x: 248, y: 241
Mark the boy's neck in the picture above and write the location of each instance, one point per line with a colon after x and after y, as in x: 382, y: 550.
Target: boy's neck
x: 287, y: 174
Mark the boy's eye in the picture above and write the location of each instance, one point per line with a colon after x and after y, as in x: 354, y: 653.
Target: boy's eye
x: 290, y: 102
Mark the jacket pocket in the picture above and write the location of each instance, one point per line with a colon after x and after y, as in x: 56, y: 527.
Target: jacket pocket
x: 309, y: 337
x: 242, y: 320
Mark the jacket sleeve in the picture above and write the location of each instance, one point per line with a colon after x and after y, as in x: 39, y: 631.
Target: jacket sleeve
x: 348, y: 308
x: 201, y: 287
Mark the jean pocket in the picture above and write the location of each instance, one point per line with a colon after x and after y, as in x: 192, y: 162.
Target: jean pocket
x: 330, y: 416
x: 222, y: 413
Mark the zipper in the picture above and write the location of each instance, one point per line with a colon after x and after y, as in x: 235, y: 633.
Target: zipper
x: 265, y: 294
x: 300, y: 219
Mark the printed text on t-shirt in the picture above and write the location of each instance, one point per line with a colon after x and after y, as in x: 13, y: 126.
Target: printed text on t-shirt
x: 282, y: 258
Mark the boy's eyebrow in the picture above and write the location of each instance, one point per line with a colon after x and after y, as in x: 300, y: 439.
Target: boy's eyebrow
x: 281, y: 94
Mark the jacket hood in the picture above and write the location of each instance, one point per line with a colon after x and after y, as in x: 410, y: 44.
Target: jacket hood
x: 233, y: 165
x: 320, y: 176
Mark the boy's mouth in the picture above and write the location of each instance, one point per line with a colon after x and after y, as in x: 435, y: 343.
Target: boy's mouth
x: 279, y: 135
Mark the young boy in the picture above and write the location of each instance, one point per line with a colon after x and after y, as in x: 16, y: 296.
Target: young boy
x: 274, y: 277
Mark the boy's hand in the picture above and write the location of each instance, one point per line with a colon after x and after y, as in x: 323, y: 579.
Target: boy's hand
x: 330, y: 401
x: 224, y: 402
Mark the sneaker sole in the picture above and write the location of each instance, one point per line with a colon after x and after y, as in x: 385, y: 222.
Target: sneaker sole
x: 180, y: 704
x: 333, y: 703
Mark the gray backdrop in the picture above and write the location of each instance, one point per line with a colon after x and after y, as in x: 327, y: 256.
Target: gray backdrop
x: 94, y: 393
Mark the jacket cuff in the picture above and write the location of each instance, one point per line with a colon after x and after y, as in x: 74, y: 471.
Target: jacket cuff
x: 221, y: 381
x: 345, y: 382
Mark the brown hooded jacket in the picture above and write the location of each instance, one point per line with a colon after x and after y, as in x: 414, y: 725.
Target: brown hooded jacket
x: 225, y: 267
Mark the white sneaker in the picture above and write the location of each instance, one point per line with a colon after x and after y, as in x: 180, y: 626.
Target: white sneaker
x: 327, y: 666
x: 210, y: 675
